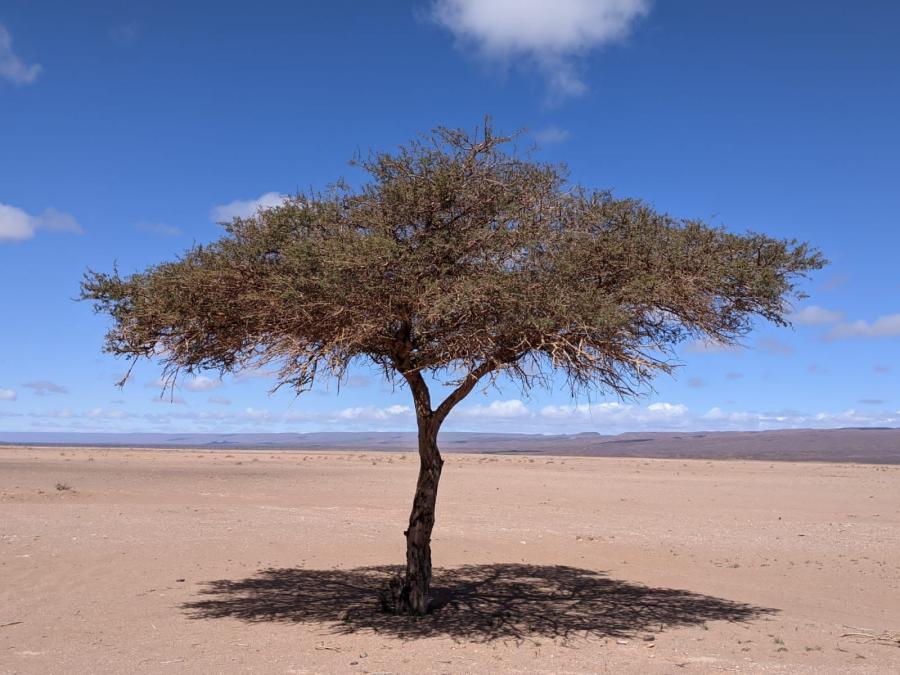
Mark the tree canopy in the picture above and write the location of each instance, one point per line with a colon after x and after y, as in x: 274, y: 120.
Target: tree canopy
x: 461, y: 258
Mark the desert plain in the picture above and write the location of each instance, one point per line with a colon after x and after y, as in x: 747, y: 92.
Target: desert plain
x: 120, y: 560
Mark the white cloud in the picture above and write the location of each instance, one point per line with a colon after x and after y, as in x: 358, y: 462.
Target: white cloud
x: 719, y: 420
x: 566, y: 412
x: 551, y: 135
x: 500, y: 416
x: 225, y: 213
x: 547, y: 34
x: 8, y: 395
x: 12, y: 67
x: 202, y: 383
x: 105, y: 414
x: 884, y: 326
x: 372, y: 413
x: 668, y: 409
x: 355, y: 415
x: 495, y: 410
x: 17, y: 225
x: 815, y: 316
x: 219, y: 400
x: 615, y: 416
x: 621, y: 417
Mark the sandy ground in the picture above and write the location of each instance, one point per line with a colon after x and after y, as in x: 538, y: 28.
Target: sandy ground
x: 118, y: 561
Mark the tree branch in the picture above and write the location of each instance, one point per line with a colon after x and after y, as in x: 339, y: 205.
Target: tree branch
x: 463, y: 389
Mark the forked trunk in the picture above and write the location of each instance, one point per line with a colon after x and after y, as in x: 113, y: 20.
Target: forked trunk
x: 408, y: 594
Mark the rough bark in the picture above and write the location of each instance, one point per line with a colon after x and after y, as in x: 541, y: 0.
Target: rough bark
x: 409, y: 593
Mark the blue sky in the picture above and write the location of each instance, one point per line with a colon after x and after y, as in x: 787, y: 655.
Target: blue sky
x: 127, y: 129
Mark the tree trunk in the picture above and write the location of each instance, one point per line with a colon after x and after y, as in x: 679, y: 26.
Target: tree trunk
x: 408, y: 594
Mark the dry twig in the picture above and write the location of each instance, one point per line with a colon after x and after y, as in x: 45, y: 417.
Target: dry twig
x: 890, y: 638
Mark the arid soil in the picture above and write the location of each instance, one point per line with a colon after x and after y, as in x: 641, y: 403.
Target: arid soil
x: 118, y: 560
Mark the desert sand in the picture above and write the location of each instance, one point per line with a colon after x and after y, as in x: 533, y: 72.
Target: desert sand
x: 118, y: 560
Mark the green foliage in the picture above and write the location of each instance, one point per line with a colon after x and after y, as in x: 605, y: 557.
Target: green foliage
x: 457, y: 258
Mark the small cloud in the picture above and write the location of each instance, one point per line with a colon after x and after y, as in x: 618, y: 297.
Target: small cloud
x: 45, y: 387
x: 668, y: 409
x: 219, y: 400
x: 495, y: 409
x: 884, y: 326
x: 254, y: 374
x: 202, y: 383
x: 225, y: 213
x: 57, y: 221
x: 551, y: 135
x: 733, y: 376
x: 773, y: 346
x: 872, y: 401
x: 177, y: 400
x: 709, y: 347
x: 816, y: 369
x: 124, y: 34
x: 18, y: 225
x: 696, y: 382
x: 881, y: 368
x: 548, y: 35
x: 8, y: 395
x: 372, y: 413
x: 160, y: 229
x: 12, y: 68
x: 816, y: 316
x: 106, y: 414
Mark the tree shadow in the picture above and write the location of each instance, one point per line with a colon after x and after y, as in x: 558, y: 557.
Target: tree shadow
x: 475, y: 602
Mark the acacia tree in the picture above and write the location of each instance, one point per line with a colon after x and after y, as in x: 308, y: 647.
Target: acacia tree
x: 459, y: 260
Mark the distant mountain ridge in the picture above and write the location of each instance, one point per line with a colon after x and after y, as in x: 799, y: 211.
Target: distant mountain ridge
x: 864, y: 445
